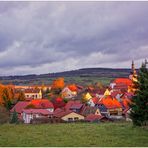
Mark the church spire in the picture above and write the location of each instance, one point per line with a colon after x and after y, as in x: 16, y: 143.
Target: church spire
x: 133, y: 69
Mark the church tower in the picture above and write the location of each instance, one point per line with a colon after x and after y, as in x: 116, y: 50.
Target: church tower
x: 133, y: 75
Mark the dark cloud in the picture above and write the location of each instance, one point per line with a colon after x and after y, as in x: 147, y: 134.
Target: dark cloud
x: 41, y: 37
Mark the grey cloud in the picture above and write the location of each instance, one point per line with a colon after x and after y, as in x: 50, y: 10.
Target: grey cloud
x: 38, y: 36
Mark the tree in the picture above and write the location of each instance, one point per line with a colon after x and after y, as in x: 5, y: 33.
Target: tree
x: 6, y: 98
x: 21, y: 96
x: 14, y: 118
x: 58, y: 83
x: 139, y: 105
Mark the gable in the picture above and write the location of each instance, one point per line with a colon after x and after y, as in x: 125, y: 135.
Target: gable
x: 72, y: 115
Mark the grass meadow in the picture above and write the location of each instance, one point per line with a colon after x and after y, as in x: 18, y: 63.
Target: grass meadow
x: 73, y: 134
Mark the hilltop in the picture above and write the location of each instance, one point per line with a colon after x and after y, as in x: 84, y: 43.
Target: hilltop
x: 86, y: 74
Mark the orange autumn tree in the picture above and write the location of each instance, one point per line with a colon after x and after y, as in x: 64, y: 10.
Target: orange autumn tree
x: 57, y: 85
x: 6, y: 95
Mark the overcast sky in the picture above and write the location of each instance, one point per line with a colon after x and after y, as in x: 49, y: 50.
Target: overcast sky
x: 43, y: 37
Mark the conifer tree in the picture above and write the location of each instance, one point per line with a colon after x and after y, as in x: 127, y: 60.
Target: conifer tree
x: 14, y: 118
x: 139, y: 105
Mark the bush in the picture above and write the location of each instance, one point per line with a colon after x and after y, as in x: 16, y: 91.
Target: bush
x: 4, y: 115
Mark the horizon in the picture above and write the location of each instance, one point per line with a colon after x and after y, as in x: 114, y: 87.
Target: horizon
x: 51, y: 37
x: 67, y: 71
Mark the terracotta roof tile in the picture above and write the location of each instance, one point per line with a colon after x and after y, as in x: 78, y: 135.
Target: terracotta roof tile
x: 37, y: 111
x: 19, y: 106
x: 92, y: 117
x: 42, y: 103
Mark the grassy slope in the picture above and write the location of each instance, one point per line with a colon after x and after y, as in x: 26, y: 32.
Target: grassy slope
x: 74, y: 79
x: 84, y: 134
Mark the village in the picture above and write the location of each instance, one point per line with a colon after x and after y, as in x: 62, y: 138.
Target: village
x: 60, y: 102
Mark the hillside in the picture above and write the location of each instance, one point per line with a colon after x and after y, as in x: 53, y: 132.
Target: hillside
x: 82, y: 74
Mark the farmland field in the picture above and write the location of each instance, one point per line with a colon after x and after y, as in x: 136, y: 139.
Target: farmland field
x: 73, y: 134
x: 72, y: 79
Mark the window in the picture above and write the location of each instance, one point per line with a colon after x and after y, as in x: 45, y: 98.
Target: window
x: 70, y: 119
x: 76, y: 118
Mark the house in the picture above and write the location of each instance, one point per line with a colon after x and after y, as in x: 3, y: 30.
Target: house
x: 122, y: 84
x: 107, y: 92
x: 100, y: 93
x: 87, y: 97
x: 19, y: 107
x: 41, y: 104
x: 31, y: 114
x: 90, y: 110
x: 68, y: 116
x: 126, y: 113
x: 33, y: 93
x: 69, y: 91
x: 125, y: 81
x: 74, y: 105
x: 93, y: 101
x: 113, y: 106
x: 103, y: 110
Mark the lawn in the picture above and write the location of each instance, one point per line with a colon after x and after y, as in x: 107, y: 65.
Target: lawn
x: 74, y: 134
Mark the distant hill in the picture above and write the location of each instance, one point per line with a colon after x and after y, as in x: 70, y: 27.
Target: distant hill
x: 85, y: 72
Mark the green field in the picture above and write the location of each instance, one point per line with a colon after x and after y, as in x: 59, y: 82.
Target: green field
x: 76, y: 79
x: 73, y: 134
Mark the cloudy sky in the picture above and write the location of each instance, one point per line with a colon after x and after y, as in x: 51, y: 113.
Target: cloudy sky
x: 43, y: 37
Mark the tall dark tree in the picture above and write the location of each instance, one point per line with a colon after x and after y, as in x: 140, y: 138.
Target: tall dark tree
x: 14, y: 118
x: 139, y: 105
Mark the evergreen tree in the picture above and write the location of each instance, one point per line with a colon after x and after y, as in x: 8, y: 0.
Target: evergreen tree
x: 14, y: 118
x: 139, y: 105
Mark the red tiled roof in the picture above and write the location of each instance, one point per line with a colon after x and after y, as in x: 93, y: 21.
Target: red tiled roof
x: 101, y: 91
x: 126, y: 81
x: 19, y: 106
x: 76, y: 106
x: 70, y: 103
x: 121, y: 86
x: 62, y: 113
x: 110, y: 102
x: 115, y: 93
x: 42, y: 103
x: 72, y: 87
x: 128, y: 95
x: 95, y: 100
x: 126, y: 102
x: 58, y: 110
x: 88, y: 110
x: 37, y: 111
x: 92, y: 117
